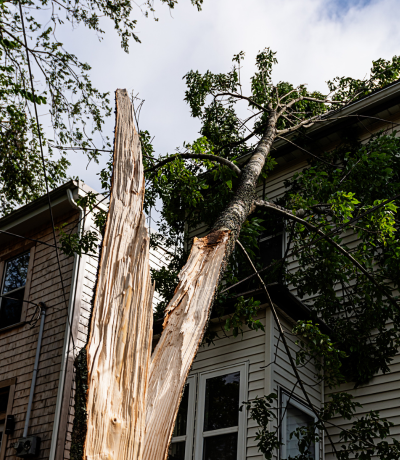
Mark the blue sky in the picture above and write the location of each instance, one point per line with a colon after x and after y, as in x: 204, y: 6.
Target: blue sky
x: 315, y: 41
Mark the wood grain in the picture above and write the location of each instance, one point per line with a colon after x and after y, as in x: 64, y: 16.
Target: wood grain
x: 121, y: 329
x: 185, y: 322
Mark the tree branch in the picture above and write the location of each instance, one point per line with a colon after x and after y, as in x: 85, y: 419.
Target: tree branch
x: 289, y: 215
x: 239, y: 96
x: 204, y: 156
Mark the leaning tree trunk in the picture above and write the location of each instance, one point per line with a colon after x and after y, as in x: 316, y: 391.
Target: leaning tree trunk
x: 188, y: 312
x: 119, y: 345
x: 131, y: 407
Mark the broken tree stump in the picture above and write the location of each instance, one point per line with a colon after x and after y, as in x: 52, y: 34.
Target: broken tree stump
x: 119, y: 345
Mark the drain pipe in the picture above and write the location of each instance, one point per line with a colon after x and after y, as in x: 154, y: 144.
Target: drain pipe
x: 67, y: 338
x: 35, y: 368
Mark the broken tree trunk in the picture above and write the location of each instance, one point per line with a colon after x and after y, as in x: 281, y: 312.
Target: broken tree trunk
x: 119, y: 346
x: 188, y: 312
x: 184, y: 326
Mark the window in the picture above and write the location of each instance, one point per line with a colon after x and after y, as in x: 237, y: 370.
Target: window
x: 294, y: 415
x: 182, y: 438
x: 4, y: 393
x: 271, y: 248
x: 220, y: 426
x: 13, y: 288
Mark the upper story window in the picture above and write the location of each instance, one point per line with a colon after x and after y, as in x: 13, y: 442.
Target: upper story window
x: 13, y: 289
x: 295, y: 415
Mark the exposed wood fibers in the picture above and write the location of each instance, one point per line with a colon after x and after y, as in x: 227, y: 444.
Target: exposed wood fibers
x: 185, y: 322
x: 121, y: 329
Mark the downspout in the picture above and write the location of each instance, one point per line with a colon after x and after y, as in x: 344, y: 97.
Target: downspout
x: 35, y: 368
x: 67, y: 338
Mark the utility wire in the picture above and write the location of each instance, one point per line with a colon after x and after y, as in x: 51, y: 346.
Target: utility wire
x: 284, y: 341
x: 44, y: 166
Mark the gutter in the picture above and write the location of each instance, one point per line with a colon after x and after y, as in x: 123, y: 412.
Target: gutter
x: 67, y: 337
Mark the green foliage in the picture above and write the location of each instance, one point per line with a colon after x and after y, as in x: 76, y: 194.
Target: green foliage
x: 347, y: 195
x: 319, y: 348
x: 72, y: 243
x: 383, y: 73
x: 365, y: 175
x: 63, y: 90
x: 263, y: 412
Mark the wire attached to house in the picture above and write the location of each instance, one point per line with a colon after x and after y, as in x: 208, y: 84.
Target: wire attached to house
x: 44, y: 163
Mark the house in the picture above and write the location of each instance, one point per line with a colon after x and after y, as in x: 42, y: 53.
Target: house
x: 30, y: 272
x: 237, y: 370
x: 209, y: 424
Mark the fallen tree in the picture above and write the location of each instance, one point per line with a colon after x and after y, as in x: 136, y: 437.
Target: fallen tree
x: 279, y: 111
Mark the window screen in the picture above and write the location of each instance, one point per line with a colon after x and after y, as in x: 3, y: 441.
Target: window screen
x: 295, y: 414
x: 13, y: 289
x: 296, y: 418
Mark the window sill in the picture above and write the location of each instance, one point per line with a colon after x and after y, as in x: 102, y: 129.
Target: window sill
x: 12, y: 326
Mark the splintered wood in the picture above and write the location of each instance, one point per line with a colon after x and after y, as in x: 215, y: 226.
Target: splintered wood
x: 119, y: 345
x: 184, y: 325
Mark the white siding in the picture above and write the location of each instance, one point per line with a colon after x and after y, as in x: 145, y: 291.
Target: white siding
x: 228, y: 351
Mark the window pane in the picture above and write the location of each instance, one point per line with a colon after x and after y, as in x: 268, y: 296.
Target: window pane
x: 3, y: 401
x: 176, y: 451
x: 181, y: 418
x: 15, y: 273
x: 222, y: 402
x: 1, y: 431
x: 223, y: 447
x: 10, y: 309
x: 271, y: 249
x: 296, y: 418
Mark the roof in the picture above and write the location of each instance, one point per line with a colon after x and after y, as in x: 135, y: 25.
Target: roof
x: 36, y: 213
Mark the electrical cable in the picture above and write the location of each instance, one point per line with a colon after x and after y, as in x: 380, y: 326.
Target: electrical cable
x: 44, y: 163
x: 289, y: 354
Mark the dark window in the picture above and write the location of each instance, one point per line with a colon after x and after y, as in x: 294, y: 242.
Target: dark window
x: 4, y: 392
x: 181, y: 418
x: 221, y: 411
x: 222, y: 447
x: 13, y: 289
x: 177, y: 446
x: 222, y: 402
x: 271, y: 249
x: 177, y: 451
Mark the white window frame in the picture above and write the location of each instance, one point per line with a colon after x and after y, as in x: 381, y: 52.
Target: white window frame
x: 188, y: 437
x: 242, y: 421
x: 286, y: 398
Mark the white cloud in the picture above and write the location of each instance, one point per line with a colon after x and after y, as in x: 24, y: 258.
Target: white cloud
x: 315, y: 40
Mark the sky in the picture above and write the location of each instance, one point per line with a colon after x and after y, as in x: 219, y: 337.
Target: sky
x: 315, y: 40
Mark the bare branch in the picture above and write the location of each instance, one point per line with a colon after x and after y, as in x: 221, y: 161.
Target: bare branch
x: 204, y: 156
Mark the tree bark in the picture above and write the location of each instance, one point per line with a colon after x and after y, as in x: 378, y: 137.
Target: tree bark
x: 188, y: 312
x: 119, y: 346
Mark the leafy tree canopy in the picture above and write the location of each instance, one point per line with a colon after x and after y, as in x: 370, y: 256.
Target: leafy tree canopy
x: 63, y: 90
x: 340, y: 215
